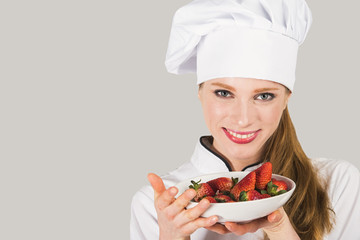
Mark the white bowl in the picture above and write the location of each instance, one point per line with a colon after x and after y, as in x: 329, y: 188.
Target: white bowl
x: 240, y: 211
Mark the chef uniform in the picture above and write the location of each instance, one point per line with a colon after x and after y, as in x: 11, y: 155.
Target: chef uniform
x: 342, y: 180
x: 252, y: 39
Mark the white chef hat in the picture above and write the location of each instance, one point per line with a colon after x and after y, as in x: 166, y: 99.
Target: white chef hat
x: 238, y: 38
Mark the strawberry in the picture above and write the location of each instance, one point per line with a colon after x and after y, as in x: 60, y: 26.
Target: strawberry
x: 250, y: 195
x: 276, y: 187
x: 210, y: 199
x: 246, y: 184
x: 265, y: 195
x: 223, y: 198
x: 202, y: 190
x: 281, y: 184
x: 263, y: 175
x: 222, y: 184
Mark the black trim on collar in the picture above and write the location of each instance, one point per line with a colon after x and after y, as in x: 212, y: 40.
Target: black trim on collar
x: 209, y: 140
x: 251, y: 165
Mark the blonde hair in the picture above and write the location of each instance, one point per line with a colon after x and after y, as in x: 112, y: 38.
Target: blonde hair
x: 309, y: 207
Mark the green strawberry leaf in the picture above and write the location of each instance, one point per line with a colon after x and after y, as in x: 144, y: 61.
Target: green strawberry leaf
x: 263, y: 192
x: 235, y: 181
x: 272, y: 189
x: 243, y: 196
x: 232, y: 197
x: 281, y: 192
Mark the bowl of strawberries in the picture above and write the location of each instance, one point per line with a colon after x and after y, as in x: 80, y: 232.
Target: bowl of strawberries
x: 240, y: 196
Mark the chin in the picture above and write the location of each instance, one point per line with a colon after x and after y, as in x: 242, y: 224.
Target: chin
x: 238, y: 152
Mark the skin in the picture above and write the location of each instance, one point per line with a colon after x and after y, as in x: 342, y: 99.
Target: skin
x: 242, y: 104
x: 239, y: 104
x: 176, y: 222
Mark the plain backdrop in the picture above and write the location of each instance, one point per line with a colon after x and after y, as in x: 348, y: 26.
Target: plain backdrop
x: 87, y: 108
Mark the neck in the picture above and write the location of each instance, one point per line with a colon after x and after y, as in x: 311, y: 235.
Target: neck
x: 232, y: 164
x: 237, y: 164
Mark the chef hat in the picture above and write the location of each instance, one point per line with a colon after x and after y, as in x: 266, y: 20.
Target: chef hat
x: 238, y: 38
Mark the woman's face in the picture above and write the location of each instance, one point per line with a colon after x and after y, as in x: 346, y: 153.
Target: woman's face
x: 241, y: 114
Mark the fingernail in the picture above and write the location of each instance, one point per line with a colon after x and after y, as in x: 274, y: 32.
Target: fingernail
x: 191, y: 193
x: 274, y: 217
x: 214, y: 219
x: 228, y: 226
x: 204, y: 202
x: 173, y: 190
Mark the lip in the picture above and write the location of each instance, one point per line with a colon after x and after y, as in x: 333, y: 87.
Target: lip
x: 253, y: 135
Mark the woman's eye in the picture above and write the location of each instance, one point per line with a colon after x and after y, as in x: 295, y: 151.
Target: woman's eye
x: 223, y: 93
x: 265, y: 96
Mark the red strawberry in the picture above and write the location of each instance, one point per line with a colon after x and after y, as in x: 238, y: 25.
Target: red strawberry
x: 246, y: 184
x: 202, y: 190
x: 222, y: 184
x: 263, y: 175
x: 223, y: 198
x: 210, y: 199
x: 265, y: 195
x: 281, y: 184
x: 250, y: 195
x: 276, y: 187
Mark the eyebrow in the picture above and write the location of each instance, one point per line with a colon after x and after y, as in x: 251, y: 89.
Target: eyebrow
x: 265, y: 90
x: 222, y: 85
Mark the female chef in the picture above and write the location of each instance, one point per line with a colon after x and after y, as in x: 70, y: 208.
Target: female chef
x: 244, y: 54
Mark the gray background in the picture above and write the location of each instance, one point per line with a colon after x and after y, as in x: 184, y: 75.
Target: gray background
x: 88, y: 109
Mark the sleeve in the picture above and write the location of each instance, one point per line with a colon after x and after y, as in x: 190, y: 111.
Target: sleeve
x: 345, y: 197
x: 143, y: 221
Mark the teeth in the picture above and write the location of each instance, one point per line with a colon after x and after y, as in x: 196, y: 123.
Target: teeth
x: 239, y: 135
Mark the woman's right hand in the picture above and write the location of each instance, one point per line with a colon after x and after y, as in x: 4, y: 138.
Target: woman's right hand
x: 176, y: 222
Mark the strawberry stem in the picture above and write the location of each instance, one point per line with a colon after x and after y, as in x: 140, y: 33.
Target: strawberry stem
x: 195, y: 185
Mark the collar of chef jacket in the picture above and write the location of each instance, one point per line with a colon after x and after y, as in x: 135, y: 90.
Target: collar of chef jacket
x: 208, y: 161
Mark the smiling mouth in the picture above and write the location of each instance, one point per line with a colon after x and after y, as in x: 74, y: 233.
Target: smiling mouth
x: 241, y: 137
x: 238, y: 135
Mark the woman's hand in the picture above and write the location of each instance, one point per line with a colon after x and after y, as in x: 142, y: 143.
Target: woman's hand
x: 176, y: 222
x: 277, y: 226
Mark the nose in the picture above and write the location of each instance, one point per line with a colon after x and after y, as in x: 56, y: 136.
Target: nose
x: 242, y: 114
x: 240, y: 122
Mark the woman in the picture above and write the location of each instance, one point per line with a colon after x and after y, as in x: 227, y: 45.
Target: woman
x: 244, y: 54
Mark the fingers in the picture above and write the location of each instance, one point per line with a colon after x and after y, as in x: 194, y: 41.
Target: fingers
x: 156, y: 183
x: 166, y: 198
x: 173, y: 218
x: 181, y: 202
x: 241, y: 229
x: 271, y: 221
x: 198, y: 223
x: 163, y: 197
x: 275, y: 217
x: 276, y: 220
x: 192, y: 213
x: 218, y: 228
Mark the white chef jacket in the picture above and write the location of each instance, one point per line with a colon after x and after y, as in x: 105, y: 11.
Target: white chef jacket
x: 342, y: 179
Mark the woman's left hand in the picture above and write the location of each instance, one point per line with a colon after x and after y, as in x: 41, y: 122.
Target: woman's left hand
x: 277, y: 226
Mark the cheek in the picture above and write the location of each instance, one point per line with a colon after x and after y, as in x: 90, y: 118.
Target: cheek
x: 213, y: 113
x: 272, y: 116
